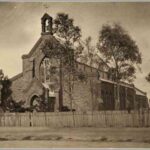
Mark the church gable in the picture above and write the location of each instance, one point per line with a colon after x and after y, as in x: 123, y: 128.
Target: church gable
x: 32, y: 51
x: 32, y: 61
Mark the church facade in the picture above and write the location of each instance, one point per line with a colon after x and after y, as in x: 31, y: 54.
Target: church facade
x: 97, y: 93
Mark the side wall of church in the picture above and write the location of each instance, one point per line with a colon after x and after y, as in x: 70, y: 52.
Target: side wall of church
x: 107, y: 95
x: 27, y: 71
x: 31, y: 62
x: 17, y: 89
x: 85, y: 93
x: 81, y: 97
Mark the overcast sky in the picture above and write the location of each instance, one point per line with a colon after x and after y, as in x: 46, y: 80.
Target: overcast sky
x: 20, y: 28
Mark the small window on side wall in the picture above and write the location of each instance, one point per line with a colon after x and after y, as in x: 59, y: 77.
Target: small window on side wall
x: 33, y: 69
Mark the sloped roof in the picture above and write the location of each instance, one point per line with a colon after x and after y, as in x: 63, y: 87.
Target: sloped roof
x: 33, y: 49
x: 41, y: 39
x: 46, y: 16
x: 121, y: 83
x: 16, y: 77
x: 90, y: 66
x: 140, y: 92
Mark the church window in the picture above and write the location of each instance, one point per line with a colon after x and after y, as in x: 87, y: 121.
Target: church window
x: 49, y: 70
x: 33, y: 69
x: 46, y: 25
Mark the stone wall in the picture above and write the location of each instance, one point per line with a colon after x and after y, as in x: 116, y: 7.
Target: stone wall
x: 23, y: 80
x: 85, y: 93
x: 17, y: 87
x: 35, y: 88
x: 81, y: 97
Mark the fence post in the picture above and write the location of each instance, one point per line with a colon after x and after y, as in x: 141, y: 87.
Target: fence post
x: 30, y: 119
x: 148, y: 117
x: 73, y: 117
x: 105, y: 114
x: 143, y: 118
x: 45, y: 118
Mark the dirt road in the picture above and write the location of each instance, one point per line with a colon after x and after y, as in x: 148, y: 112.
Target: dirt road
x: 74, y: 137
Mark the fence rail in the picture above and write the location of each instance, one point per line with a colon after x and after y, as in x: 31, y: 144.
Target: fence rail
x: 77, y: 119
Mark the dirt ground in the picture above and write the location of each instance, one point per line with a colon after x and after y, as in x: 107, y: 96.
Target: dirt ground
x: 38, y: 137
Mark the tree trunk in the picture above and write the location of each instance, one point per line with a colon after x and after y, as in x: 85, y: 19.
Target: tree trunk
x: 70, y: 92
x: 91, y: 88
x: 61, y: 87
x: 71, y: 99
x: 117, y: 103
x: 0, y: 93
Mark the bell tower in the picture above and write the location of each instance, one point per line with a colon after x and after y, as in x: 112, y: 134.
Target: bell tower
x: 46, y: 22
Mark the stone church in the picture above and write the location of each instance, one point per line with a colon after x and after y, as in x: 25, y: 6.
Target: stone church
x: 98, y: 93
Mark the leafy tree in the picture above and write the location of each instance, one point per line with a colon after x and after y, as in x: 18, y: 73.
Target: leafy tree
x: 5, y: 90
x: 120, y: 52
x: 69, y: 35
x: 88, y: 54
x: 1, y: 86
x: 67, y: 51
x: 148, y: 77
x: 6, y: 101
x: 91, y: 56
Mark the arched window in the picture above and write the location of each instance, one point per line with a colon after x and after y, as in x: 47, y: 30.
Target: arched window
x: 46, y: 22
x: 46, y: 25
x: 49, y: 70
x: 33, y: 69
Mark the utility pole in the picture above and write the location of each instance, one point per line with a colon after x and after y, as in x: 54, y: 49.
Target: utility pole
x: 45, y: 5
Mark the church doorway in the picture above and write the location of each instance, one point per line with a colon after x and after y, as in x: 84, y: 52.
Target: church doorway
x: 35, y: 103
x: 51, y: 104
x: 51, y: 97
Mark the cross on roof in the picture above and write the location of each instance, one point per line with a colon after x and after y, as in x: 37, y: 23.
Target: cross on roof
x: 45, y: 5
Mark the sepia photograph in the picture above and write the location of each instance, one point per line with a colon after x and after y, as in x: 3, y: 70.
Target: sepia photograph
x: 74, y: 74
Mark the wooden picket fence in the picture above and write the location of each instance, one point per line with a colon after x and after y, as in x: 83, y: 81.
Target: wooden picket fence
x: 77, y: 119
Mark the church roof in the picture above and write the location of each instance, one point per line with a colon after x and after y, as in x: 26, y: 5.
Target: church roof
x: 16, y: 76
x: 41, y: 39
x: 139, y: 92
x: 46, y: 16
